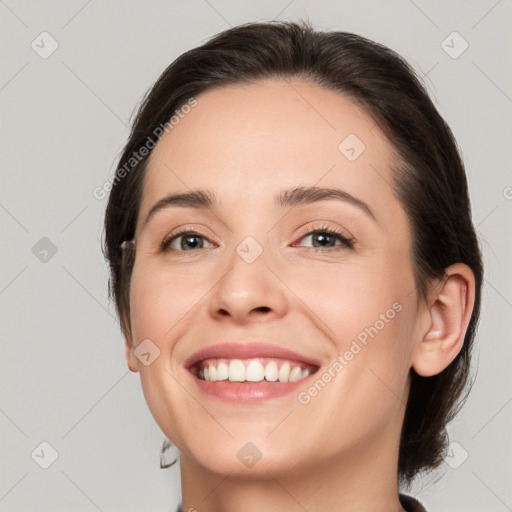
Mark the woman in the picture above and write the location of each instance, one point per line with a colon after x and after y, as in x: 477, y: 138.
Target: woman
x: 295, y: 270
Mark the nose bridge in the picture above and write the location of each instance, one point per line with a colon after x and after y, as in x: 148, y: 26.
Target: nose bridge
x: 249, y: 236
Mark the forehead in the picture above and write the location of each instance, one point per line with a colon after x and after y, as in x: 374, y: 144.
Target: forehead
x: 245, y: 142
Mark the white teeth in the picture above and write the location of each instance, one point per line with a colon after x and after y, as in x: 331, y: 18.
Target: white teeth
x: 295, y: 374
x: 271, y: 371
x: 236, y: 370
x: 222, y: 371
x: 284, y: 372
x: 212, y: 372
x: 254, y: 372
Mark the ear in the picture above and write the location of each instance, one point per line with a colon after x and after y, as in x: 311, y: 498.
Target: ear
x: 131, y: 360
x: 448, y: 318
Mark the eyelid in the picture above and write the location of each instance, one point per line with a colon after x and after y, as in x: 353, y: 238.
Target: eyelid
x: 311, y: 227
x: 183, y: 230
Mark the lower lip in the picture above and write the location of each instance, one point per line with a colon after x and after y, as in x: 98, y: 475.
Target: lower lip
x: 248, y: 392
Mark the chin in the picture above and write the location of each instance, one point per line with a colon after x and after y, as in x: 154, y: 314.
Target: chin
x: 249, y: 459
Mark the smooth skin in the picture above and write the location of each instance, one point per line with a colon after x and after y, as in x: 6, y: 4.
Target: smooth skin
x: 339, y: 452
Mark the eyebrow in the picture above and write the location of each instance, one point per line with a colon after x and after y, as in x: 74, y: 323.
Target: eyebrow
x: 297, y: 196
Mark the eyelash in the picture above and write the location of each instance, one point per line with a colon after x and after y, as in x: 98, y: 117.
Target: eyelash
x: 346, y: 243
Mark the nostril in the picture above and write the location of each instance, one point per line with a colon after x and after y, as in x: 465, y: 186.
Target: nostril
x: 264, y: 309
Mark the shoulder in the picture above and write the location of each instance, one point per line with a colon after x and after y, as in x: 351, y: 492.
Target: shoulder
x: 411, y: 504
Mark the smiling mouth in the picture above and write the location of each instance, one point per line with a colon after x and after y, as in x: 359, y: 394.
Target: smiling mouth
x: 260, y: 369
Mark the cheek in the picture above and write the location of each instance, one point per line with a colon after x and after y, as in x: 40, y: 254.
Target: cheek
x: 159, y: 300
x: 349, y: 297
x: 367, y: 312
x: 159, y: 305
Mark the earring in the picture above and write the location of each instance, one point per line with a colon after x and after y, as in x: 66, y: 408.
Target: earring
x: 433, y: 334
x: 164, y: 459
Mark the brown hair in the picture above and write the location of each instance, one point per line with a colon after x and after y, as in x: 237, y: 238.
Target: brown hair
x: 429, y: 179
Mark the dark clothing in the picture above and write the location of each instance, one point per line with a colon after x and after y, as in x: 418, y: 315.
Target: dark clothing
x: 409, y: 503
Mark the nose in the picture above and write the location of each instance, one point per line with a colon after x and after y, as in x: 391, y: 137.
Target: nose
x: 249, y: 292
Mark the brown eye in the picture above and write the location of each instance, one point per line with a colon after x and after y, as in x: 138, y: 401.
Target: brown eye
x: 190, y: 240
x: 327, y: 238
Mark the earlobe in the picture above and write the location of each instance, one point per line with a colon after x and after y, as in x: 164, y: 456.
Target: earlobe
x: 131, y: 360
x: 449, y: 315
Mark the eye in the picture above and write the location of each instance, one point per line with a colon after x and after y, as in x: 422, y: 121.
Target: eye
x: 190, y: 240
x: 327, y: 238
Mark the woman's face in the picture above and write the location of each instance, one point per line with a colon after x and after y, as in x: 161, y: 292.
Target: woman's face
x: 255, y: 273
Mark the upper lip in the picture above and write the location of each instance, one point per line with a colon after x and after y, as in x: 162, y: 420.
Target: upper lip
x: 248, y: 351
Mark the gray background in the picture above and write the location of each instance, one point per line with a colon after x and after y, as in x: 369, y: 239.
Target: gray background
x: 63, y: 121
